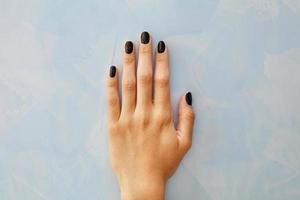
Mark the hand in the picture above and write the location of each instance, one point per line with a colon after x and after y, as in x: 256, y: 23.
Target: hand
x: 144, y: 145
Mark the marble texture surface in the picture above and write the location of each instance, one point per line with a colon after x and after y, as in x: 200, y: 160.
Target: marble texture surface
x: 240, y: 58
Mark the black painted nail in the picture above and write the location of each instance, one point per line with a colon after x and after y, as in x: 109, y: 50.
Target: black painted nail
x: 145, y: 37
x: 161, y: 47
x: 188, y: 98
x: 112, y: 71
x: 128, y: 47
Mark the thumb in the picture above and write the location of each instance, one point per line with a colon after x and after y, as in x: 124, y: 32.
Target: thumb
x: 186, y: 117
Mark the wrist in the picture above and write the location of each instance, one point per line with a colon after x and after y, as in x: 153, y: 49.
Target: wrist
x: 142, y: 187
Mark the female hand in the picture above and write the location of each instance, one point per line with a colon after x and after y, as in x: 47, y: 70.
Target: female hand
x: 145, y: 146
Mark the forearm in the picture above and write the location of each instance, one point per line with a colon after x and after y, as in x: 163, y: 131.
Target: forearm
x: 143, y: 189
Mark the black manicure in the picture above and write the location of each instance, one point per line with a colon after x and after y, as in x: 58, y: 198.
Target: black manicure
x: 128, y: 47
x: 188, y: 98
x: 145, y: 37
x: 161, y: 47
x: 112, y: 71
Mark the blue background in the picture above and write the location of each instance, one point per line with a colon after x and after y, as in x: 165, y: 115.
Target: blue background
x: 240, y: 59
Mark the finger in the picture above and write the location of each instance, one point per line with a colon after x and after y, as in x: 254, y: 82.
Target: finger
x: 144, y: 71
x: 161, y: 77
x: 113, y: 94
x: 128, y: 79
x: 186, y: 119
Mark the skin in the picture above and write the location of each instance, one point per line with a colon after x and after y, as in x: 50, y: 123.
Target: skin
x: 145, y: 147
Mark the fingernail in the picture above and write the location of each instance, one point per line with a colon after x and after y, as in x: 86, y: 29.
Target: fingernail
x: 145, y: 37
x: 161, y: 47
x: 112, y: 71
x: 128, y: 47
x: 188, y: 98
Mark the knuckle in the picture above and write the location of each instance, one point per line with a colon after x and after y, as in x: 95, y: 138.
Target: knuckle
x: 187, y: 144
x: 145, y: 78
x: 188, y: 114
x: 111, y: 83
x: 129, y: 85
x: 145, y: 49
x: 161, y: 58
x: 143, y: 119
x: 112, y: 128
x: 168, y: 117
x: 162, y: 116
x: 125, y: 121
x: 113, y: 101
x: 162, y: 82
x: 128, y: 59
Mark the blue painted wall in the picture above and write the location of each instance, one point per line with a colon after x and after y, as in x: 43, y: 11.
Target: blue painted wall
x: 240, y: 58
